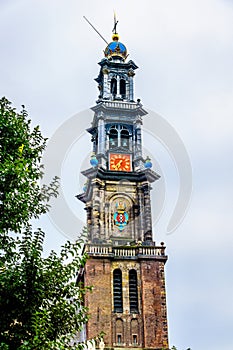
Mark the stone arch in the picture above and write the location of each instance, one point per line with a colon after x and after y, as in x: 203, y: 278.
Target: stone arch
x: 117, y: 290
x: 133, y: 291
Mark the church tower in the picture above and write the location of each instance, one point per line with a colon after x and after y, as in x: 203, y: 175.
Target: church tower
x: 125, y: 265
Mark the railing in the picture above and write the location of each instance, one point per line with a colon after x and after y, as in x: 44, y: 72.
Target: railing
x: 152, y: 250
x: 124, y: 252
x: 117, y: 104
x: 95, y: 249
x: 98, y: 249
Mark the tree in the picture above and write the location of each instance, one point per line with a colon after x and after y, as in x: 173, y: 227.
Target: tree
x: 41, y: 305
x: 21, y: 196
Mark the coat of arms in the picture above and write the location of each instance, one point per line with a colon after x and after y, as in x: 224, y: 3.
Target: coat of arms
x: 120, y: 217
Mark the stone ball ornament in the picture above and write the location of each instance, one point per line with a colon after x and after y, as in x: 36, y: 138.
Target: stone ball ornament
x: 148, y: 163
x: 94, y: 161
x: 85, y: 187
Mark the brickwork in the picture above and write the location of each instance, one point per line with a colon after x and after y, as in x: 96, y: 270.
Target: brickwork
x: 154, y: 304
x: 145, y: 329
x: 99, y: 301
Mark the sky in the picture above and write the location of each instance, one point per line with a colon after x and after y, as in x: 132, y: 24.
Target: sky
x: 184, y: 50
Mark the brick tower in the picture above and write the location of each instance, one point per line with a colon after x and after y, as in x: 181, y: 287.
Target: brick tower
x: 125, y: 266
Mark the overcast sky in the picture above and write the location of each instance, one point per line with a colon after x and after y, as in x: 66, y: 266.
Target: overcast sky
x: 184, y: 50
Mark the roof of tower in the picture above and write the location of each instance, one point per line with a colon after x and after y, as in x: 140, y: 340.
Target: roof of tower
x: 115, y: 49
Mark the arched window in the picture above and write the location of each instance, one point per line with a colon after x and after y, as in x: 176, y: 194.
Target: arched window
x: 125, y: 138
x: 133, y: 291
x: 113, y: 137
x: 119, y: 136
x: 122, y: 88
x: 117, y: 290
x: 114, y: 86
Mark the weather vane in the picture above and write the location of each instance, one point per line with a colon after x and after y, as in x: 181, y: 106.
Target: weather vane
x: 115, y: 24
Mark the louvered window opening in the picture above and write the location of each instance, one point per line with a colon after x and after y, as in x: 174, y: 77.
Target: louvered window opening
x: 133, y: 291
x: 117, y: 291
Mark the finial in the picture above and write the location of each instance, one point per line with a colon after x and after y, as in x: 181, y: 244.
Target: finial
x: 94, y: 161
x: 148, y: 163
x: 115, y: 24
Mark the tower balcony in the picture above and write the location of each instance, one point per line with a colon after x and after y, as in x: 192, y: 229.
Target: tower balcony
x: 121, y: 105
x: 130, y: 107
x: 125, y: 252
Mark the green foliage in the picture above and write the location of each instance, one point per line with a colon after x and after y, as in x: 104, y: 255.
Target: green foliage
x: 41, y: 304
x: 21, y: 196
x: 39, y: 299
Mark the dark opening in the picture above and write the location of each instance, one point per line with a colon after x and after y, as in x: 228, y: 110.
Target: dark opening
x: 122, y: 88
x: 117, y: 290
x: 135, y: 339
x: 114, y: 86
x: 113, y: 138
x: 125, y: 138
x: 133, y: 291
x: 119, y: 338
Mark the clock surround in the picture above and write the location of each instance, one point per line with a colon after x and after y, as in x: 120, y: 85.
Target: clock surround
x: 120, y: 162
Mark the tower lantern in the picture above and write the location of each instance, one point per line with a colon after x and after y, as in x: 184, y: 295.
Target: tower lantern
x: 125, y: 265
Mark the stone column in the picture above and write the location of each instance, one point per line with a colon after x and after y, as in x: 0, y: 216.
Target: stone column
x: 131, y: 87
x: 95, y: 214
x: 127, y: 89
x: 102, y: 213
x: 101, y: 141
x: 138, y: 162
x: 118, y: 87
x: 107, y: 220
x: 89, y: 219
x: 101, y: 134
x: 105, y: 83
x: 141, y: 215
x: 148, y: 220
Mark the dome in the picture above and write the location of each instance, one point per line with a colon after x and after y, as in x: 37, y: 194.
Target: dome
x: 116, y: 49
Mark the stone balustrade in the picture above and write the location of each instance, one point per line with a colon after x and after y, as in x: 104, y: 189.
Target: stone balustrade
x: 124, y: 252
x: 121, y: 105
x: 98, y: 249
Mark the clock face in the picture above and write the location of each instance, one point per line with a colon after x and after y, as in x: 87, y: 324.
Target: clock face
x: 119, y: 162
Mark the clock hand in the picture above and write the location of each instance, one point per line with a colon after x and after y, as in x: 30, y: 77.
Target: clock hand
x: 117, y: 166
